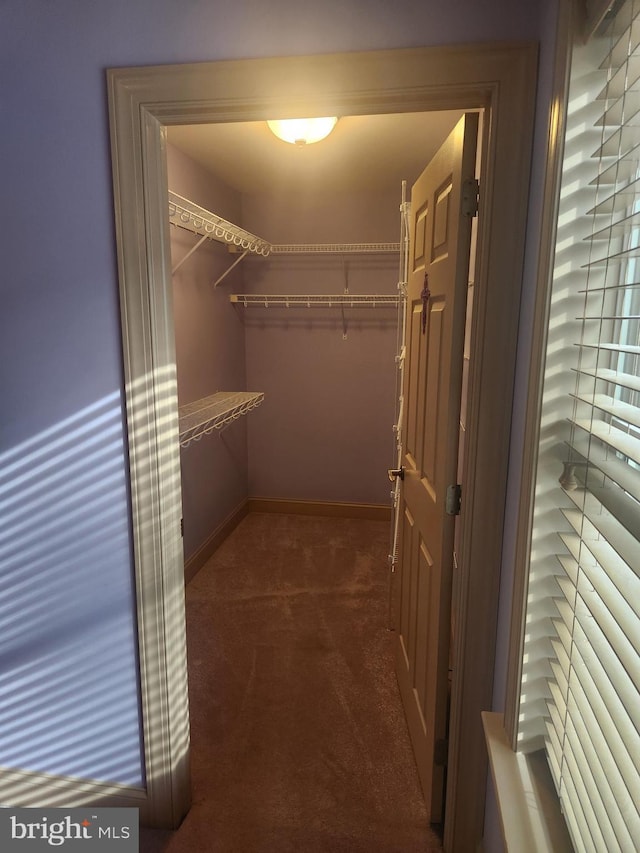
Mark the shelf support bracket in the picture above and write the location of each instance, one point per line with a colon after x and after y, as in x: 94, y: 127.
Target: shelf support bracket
x: 189, y: 253
x: 225, y: 274
x: 345, y: 268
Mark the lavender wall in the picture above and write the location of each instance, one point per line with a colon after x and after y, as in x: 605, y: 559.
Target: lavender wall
x: 60, y: 350
x: 209, y: 355
x: 325, y: 429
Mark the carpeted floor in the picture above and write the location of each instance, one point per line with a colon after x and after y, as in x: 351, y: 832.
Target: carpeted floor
x: 298, y: 737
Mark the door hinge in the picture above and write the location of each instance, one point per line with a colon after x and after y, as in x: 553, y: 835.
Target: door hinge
x: 395, y: 473
x: 454, y: 499
x: 182, y: 527
x: 441, y: 752
x: 470, y: 194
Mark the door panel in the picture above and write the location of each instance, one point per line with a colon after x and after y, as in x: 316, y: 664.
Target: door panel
x: 433, y: 359
x: 414, y: 361
x: 436, y: 304
x: 420, y: 236
x: 441, y: 222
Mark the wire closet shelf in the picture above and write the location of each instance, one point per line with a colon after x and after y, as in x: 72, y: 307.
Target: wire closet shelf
x: 214, y: 413
x: 314, y: 300
x: 189, y: 215
x: 218, y: 410
x: 334, y: 248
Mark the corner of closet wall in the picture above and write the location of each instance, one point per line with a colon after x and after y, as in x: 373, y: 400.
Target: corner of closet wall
x: 210, y: 357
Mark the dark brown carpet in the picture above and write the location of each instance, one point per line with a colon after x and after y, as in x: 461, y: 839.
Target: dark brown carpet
x: 299, y: 742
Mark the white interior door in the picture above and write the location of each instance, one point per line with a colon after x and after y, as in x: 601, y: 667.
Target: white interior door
x: 440, y: 234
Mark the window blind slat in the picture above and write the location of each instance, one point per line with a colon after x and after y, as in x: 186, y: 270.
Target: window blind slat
x: 596, y: 522
x: 566, y: 612
x: 618, y: 202
x: 562, y: 657
x: 629, y: 349
x: 621, y: 171
x: 605, y: 598
x: 573, y: 812
x: 615, y: 582
x: 624, y: 78
x: 587, y: 792
x: 605, y: 403
x: 598, y: 319
x: 614, y: 257
x: 621, y: 771
x: 594, y: 645
x: 563, y: 633
x: 585, y: 767
x: 619, y: 143
x: 557, y: 701
x: 623, y: 111
x: 610, y: 288
x: 615, y: 377
x: 553, y: 748
x: 555, y: 719
x: 626, y: 32
x: 612, y: 437
x: 599, y: 455
x: 616, y: 514
x: 623, y: 647
x: 560, y: 677
x: 570, y: 564
x: 607, y: 795
x: 568, y: 590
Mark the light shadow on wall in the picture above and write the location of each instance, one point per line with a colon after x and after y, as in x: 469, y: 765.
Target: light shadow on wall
x: 69, y: 694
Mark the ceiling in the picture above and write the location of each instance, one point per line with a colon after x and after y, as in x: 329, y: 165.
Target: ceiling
x: 362, y: 153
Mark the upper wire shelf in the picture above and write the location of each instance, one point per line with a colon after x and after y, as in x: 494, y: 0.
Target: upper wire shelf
x: 214, y: 412
x: 334, y: 248
x: 209, y: 226
x: 187, y: 214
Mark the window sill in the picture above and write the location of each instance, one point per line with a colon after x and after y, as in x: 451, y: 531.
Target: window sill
x: 529, y: 809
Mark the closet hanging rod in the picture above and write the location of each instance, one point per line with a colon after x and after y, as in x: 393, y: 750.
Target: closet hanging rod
x: 315, y: 300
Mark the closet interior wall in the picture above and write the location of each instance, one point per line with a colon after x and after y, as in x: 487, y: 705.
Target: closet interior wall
x: 324, y: 431
x: 210, y: 357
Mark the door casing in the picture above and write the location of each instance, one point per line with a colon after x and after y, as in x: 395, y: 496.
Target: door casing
x: 498, y: 78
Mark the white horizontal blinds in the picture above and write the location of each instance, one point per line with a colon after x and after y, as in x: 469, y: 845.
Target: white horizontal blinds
x: 593, y: 726
x: 547, y: 636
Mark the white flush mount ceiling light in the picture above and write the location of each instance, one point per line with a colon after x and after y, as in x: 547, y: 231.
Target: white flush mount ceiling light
x: 302, y: 131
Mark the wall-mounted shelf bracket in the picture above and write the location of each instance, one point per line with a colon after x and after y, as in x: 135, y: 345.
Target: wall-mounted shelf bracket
x: 175, y: 268
x: 226, y: 273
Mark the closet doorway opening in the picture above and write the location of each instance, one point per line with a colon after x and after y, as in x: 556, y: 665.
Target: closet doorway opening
x: 307, y: 320
x: 303, y: 329
x: 143, y: 103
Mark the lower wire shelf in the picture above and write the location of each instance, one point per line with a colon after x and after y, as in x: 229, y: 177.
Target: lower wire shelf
x: 316, y: 300
x: 214, y: 412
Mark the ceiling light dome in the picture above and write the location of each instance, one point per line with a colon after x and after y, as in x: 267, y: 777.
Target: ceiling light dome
x: 302, y: 131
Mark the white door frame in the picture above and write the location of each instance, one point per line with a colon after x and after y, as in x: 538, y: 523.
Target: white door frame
x: 500, y: 79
